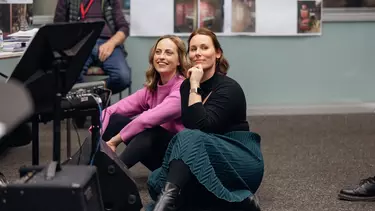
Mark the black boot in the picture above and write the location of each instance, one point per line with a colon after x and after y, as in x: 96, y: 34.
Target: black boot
x: 168, y: 199
x: 251, y: 204
x: 364, y: 191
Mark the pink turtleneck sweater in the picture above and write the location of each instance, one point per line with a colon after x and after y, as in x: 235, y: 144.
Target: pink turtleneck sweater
x: 162, y: 107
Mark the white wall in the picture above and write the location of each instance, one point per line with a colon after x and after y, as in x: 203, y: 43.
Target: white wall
x: 42, y: 7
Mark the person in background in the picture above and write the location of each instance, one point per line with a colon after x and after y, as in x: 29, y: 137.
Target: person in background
x: 216, y: 162
x: 364, y: 191
x: 109, y: 52
x: 147, y: 120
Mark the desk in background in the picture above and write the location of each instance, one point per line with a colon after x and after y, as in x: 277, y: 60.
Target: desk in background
x: 8, y: 61
x: 7, y: 55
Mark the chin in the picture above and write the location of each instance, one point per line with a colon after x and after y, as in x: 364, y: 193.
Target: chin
x: 204, y: 66
x: 164, y: 71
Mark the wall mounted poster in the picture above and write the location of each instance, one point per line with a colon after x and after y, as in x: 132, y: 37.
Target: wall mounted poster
x: 15, y: 15
x: 16, y: 1
x: 226, y: 17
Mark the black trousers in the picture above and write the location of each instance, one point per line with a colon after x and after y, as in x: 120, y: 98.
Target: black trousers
x: 147, y: 147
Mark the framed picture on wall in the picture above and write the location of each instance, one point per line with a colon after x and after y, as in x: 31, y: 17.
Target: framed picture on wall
x: 349, y: 3
x: 349, y: 10
x: 15, y: 17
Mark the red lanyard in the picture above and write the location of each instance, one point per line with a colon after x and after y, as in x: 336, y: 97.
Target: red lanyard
x: 85, y: 10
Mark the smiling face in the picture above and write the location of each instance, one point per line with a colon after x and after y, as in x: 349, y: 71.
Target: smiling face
x: 202, y: 51
x: 166, y: 58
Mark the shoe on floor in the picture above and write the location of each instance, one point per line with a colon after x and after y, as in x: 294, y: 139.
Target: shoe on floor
x: 364, y: 191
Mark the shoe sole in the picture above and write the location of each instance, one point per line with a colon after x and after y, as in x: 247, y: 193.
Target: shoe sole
x: 355, y: 198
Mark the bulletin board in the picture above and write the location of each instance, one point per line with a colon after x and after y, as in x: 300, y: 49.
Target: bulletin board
x: 226, y: 17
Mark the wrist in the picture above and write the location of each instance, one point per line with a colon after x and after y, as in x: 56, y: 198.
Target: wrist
x: 116, y: 140
x: 197, y: 91
x: 119, y: 139
x: 112, y: 43
x: 194, y: 84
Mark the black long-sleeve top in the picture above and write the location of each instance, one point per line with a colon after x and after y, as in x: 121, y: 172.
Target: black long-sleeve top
x: 224, y: 111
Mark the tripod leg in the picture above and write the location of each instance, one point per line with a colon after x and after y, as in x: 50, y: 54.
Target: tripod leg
x: 95, y: 133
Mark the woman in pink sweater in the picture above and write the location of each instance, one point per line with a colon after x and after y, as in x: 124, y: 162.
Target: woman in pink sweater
x: 146, y: 120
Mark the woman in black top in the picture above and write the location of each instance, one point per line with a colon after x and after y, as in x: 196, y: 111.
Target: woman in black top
x: 215, y: 163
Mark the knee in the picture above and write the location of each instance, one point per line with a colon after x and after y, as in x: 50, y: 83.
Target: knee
x: 145, y: 139
x: 184, y: 132
x: 189, y: 135
x: 188, y: 132
x: 117, y: 119
x: 122, y: 78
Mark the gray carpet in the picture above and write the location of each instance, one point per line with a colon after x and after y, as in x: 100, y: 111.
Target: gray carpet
x: 307, y: 160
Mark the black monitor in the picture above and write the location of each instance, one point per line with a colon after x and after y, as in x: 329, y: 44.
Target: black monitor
x: 52, y: 64
x: 58, y: 47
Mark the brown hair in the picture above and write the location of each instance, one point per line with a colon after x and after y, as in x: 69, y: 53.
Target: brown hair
x: 222, y: 64
x: 152, y: 76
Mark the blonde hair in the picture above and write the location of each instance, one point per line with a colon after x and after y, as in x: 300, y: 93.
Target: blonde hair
x: 152, y: 76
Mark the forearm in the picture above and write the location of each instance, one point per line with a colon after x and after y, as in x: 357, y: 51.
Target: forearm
x: 167, y: 111
x: 116, y: 140
x: 118, y: 38
x: 194, y: 97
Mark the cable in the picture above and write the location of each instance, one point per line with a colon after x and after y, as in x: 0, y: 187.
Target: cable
x: 109, y: 96
x: 100, y: 133
x: 79, y: 138
x: 3, y: 75
x: 79, y: 142
x: 98, y: 141
x: 101, y: 118
x: 98, y: 101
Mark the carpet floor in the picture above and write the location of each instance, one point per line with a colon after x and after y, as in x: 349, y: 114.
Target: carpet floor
x: 308, y: 159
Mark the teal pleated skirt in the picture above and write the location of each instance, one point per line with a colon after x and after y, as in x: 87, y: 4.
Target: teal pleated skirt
x: 230, y: 166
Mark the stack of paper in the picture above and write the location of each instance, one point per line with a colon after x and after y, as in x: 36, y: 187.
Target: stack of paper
x: 30, y: 33
x: 18, y: 42
x: 14, y: 46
